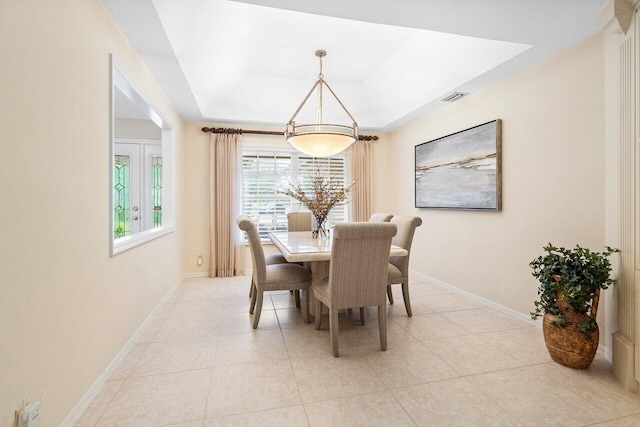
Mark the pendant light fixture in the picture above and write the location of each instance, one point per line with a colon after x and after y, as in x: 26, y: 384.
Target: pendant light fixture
x: 320, y: 139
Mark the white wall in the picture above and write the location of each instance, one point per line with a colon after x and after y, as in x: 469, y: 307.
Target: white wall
x: 553, y: 178
x: 137, y: 129
x: 66, y: 306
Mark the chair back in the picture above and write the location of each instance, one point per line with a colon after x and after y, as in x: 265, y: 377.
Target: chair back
x: 299, y: 221
x: 359, y: 260
x: 255, y: 244
x: 380, y: 217
x: 404, y: 238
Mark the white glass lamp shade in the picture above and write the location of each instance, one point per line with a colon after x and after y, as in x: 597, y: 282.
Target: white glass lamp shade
x: 321, y: 140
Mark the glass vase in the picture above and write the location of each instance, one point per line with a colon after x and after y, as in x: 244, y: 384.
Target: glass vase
x: 319, y: 231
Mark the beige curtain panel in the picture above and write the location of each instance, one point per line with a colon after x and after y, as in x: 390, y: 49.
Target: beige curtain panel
x: 359, y: 157
x: 226, y: 198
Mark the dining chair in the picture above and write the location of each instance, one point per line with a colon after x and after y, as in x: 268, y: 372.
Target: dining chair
x: 272, y: 259
x: 357, y: 275
x: 399, y: 266
x: 299, y: 221
x: 274, y: 277
x: 380, y: 217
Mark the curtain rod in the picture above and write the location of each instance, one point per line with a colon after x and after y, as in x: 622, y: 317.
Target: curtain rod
x: 268, y: 132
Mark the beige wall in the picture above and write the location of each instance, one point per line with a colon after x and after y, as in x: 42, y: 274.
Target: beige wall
x: 67, y: 307
x: 198, y: 227
x: 553, y: 178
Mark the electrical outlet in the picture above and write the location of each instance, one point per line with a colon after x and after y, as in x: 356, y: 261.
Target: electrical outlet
x: 199, y: 259
x: 19, y: 410
x: 30, y: 416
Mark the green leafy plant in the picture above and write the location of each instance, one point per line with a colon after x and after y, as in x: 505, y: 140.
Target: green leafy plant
x: 575, y: 276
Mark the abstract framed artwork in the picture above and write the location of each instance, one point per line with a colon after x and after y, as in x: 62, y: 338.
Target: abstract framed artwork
x: 462, y: 170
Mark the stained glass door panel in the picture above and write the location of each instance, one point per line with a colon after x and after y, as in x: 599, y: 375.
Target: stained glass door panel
x: 126, y: 202
x: 156, y: 190
x: 121, y: 196
x: 153, y: 186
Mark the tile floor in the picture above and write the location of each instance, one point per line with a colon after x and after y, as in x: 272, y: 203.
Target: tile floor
x: 454, y: 363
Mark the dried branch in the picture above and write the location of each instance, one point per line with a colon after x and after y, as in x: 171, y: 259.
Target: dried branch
x: 323, y: 195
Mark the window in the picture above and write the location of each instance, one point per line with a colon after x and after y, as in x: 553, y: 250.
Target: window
x: 266, y: 172
x: 142, y: 185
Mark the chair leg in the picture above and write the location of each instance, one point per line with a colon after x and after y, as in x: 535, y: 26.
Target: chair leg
x: 334, y: 330
x: 382, y: 324
x: 296, y: 297
x: 305, y: 305
x: 258, y: 309
x: 389, y: 294
x: 251, y: 288
x: 362, y: 315
x: 253, y: 298
x: 318, y: 314
x: 405, y: 295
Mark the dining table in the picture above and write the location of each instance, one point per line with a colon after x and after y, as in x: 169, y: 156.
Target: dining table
x: 314, y: 253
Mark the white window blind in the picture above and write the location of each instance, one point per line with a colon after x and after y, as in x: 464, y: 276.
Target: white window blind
x: 265, y: 173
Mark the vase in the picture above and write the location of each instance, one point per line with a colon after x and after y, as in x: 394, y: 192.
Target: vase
x: 568, y: 346
x: 319, y: 231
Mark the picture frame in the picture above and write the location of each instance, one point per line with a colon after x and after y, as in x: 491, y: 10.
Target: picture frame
x: 461, y: 171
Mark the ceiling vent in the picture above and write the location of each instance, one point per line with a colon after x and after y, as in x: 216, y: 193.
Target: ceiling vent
x: 454, y: 96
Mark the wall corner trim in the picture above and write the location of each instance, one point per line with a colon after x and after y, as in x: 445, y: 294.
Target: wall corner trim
x: 616, y: 16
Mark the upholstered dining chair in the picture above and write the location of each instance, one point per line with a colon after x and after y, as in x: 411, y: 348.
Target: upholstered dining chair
x: 274, y: 277
x: 270, y: 260
x: 380, y: 217
x: 299, y: 221
x: 357, y: 275
x: 399, y: 266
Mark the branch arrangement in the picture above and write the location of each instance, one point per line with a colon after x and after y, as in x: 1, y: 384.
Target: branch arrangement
x: 322, y: 196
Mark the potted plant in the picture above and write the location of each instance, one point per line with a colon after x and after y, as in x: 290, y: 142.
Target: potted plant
x: 569, y: 291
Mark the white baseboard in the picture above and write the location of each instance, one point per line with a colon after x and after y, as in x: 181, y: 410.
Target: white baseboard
x: 95, y: 388
x: 602, y: 350
x: 477, y: 298
x: 244, y: 272
x: 196, y: 274
x: 605, y: 352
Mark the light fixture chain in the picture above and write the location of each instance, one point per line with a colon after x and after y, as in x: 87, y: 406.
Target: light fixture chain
x: 319, y: 106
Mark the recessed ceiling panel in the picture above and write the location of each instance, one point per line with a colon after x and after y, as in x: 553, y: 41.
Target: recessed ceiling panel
x: 252, y: 61
x: 249, y: 63
x: 282, y: 45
